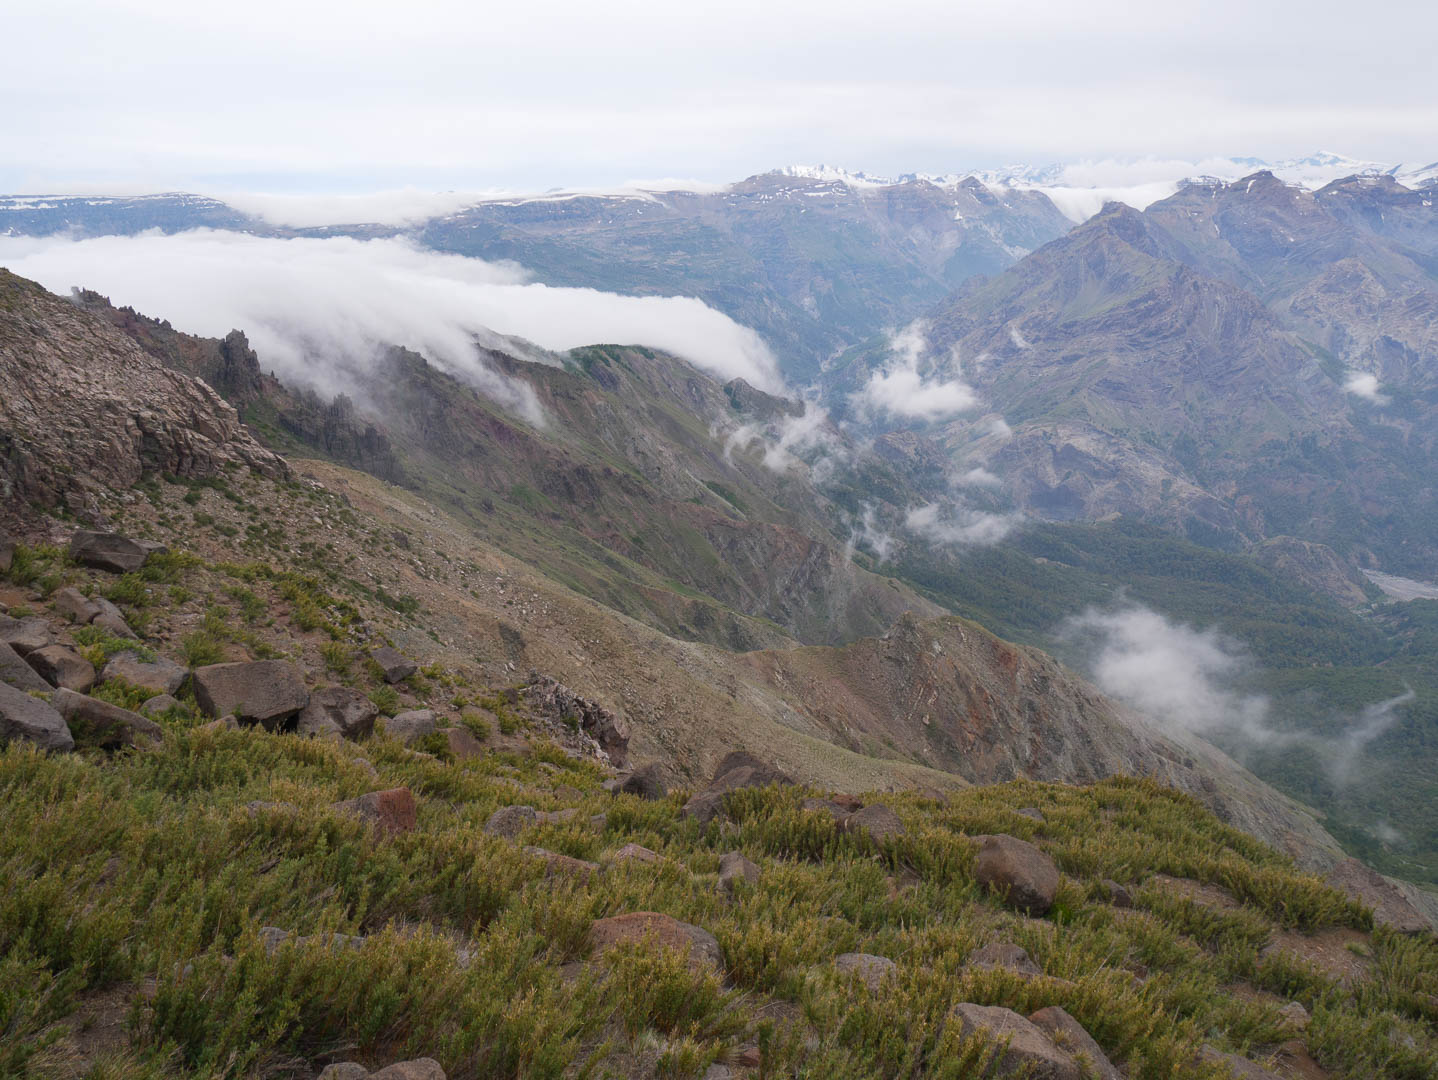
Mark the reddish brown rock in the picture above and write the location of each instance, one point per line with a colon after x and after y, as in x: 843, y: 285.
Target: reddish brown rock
x: 390, y: 811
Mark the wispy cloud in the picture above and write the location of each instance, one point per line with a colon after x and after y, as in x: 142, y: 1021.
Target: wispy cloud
x: 962, y: 525
x: 1185, y: 680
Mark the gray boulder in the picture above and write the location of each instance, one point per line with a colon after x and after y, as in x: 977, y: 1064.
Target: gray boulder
x: 734, y: 868
x: 1024, y: 876
x: 112, y: 624
x: 1001, y: 955
x: 646, y: 781
x: 510, y: 821
x: 159, y: 704
x: 395, y: 665
x: 409, y: 727
x: 15, y: 672
x: 418, y: 1069
x: 23, y: 717
x: 878, y: 821
x: 338, y: 712
x: 108, y: 551
x: 60, y: 665
x: 664, y: 931
x: 871, y: 970
x: 74, y: 605
x: 1069, y: 1035
x: 27, y: 634
x: 104, y: 724
x: 1027, y: 1051
x: 266, y: 692
x: 157, y: 676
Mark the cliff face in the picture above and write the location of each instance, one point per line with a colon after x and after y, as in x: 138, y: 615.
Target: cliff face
x: 83, y: 407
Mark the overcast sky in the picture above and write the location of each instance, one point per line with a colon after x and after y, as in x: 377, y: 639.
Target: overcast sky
x: 354, y: 96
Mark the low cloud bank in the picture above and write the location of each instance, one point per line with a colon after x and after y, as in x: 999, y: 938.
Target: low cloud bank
x: 962, y: 525
x: 1183, y: 679
x: 319, y: 310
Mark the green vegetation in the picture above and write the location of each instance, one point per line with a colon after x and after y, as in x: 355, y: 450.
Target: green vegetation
x: 153, y: 866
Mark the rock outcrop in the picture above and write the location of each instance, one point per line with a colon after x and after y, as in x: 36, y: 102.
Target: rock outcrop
x: 82, y: 407
x: 29, y: 719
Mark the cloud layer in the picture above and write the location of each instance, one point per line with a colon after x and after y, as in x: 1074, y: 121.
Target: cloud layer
x: 316, y: 307
x: 911, y: 386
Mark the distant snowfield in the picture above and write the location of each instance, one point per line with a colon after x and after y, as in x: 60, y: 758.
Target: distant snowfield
x: 1079, y: 189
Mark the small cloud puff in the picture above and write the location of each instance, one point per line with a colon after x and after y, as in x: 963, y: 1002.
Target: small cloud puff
x: 1365, y: 385
x: 960, y: 525
x: 901, y: 390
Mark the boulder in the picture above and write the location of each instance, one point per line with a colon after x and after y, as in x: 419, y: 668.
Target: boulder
x: 638, y: 853
x: 159, y: 704
x: 157, y: 676
x: 647, y: 782
x: 1295, y: 1015
x: 390, y: 811
x: 23, y: 717
x: 344, y: 1070
x: 1024, y: 876
x: 871, y: 970
x: 738, y: 769
x: 741, y: 769
x: 1368, y: 886
x: 558, y: 702
x: 825, y: 806
x: 337, y: 712
x: 462, y: 743
x: 418, y: 1069
x: 108, y: 551
x: 1069, y: 1035
x: 394, y: 664
x: 557, y: 817
x: 704, y: 807
x: 1117, y: 895
x: 663, y: 930
x: 27, y: 634
x: 60, y: 665
x: 266, y: 692
x: 1031, y: 812
x: 113, y: 625
x: 878, y: 821
x: 557, y: 865
x: 734, y: 868
x: 1240, y: 1068
x: 99, y: 722
x: 412, y: 726
x: 510, y: 821
x: 15, y: 672
x: 1001, y: 955
x: 1026, y: 1051
x: 74, y: 605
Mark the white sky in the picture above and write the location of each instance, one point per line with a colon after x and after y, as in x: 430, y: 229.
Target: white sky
x: 357, y: 96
